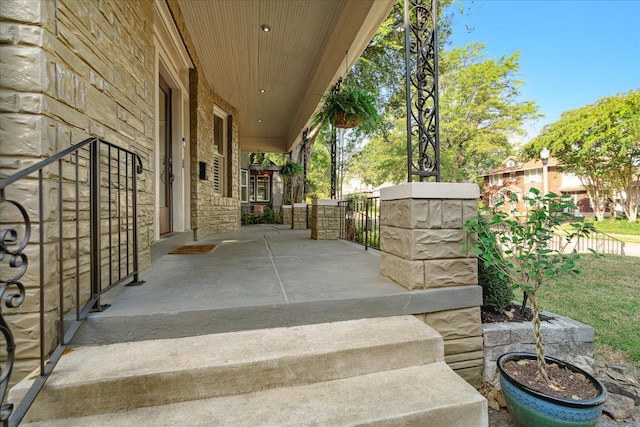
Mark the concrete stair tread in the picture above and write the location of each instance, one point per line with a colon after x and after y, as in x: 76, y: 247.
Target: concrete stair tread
x: 243, y: 347
x: 129, y: 375
x: 429, y: 394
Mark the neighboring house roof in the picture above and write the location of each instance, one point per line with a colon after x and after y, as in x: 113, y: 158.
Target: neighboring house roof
x: 506, y: 167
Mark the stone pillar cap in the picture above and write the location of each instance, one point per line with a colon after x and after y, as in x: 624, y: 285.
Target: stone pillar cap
x: 431, y: 190
x: 325, y: 202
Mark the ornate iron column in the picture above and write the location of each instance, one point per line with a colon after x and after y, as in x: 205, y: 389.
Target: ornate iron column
x: 334, y: 168
x: 305, y: 141
x: 421, y: 71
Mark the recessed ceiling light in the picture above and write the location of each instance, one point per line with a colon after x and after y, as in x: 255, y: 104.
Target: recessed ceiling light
x: 265, y: 28
x: 261, y: 90
x: 259, y: 120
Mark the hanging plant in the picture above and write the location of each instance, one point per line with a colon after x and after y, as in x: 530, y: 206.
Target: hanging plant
x: 290, y: 169
x: 348, y: 108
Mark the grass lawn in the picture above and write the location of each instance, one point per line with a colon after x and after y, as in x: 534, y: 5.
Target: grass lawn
x: 606, y: 295
x: 618, y: 227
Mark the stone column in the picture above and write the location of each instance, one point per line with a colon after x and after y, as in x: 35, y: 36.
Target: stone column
x: 325, y: 219
x: 300, y: 216
x: 421, y: 248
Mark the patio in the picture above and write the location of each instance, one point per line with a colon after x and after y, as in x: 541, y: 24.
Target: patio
x: 261, y: 276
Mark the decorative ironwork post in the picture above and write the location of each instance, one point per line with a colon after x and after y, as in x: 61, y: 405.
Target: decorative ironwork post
x: 12, y: 291
x: 305, y: 141
x: 334, y: 167
x: 421, y: 71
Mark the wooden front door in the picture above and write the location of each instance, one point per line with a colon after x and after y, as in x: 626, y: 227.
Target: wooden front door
x: 166, y: 161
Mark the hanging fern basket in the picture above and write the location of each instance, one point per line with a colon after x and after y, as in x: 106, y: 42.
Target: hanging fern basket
x: 345, y: 121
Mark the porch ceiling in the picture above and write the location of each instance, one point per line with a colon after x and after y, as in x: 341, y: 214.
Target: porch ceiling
x: 311, y: 44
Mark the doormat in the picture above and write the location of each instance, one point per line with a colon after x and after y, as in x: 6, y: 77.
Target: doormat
x: 193, y: 249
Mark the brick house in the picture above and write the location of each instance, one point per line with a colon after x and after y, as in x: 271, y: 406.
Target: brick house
x: 511, y: 181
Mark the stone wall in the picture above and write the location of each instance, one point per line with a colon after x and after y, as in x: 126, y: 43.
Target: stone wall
x: 563, y: 337
x: 71, y: 70
x: 325, y: 220
x: 301, y: 217
x: 421, y: 249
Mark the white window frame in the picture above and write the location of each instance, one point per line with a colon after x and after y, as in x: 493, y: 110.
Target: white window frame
x: 219, y: 159
x: 533, y: 175
x: 495, y: 180
x: 244, y: 186
x: 254, y: 188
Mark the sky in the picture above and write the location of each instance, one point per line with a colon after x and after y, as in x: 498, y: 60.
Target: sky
x: 572, y: 52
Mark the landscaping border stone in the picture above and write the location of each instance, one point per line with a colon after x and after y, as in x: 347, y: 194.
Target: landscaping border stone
x: 563, y: 338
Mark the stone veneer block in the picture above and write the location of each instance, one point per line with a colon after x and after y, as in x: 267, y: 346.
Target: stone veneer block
x: 463, y: 345
x: 427, y: 214
x: 450, y: 272
x: 409, y: 274
x: 415, y: 244
x: 455, y: 324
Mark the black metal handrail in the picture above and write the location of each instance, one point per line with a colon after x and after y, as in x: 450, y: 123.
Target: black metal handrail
x: 94, y: 186
x: 360, y: 221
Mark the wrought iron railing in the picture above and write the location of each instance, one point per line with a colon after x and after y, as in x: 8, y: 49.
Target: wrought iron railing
x: 75, y: 214
x: 360, y: 221
x: 596, y: 241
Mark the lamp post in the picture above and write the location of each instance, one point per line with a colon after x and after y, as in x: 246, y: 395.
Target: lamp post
x: 544, y: 155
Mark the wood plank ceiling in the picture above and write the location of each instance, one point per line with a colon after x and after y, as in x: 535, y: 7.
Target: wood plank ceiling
x: 311, y: 43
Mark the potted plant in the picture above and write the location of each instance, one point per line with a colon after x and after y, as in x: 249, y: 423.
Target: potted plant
x: 348, y: 107
x: 539, y: 390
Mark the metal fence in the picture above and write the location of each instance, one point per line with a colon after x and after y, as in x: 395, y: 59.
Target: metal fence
x: 74, y: 217
x: 360, y: 221
x: 596, y: 241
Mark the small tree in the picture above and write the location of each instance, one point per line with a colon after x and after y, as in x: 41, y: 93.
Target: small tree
x: 522, y: 249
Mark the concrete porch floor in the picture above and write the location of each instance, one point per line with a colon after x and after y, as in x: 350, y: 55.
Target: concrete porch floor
x: 261, y: 276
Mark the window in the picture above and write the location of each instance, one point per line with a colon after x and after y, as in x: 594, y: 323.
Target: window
x: 533, y: 175
x: 219, y: 151
x: 260, y: 189
x: 244, y: 186
x: 512, y: 177
x: 495, y: 180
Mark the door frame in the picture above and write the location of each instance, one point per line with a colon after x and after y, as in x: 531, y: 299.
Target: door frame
x: 166, y: 167
x: 173, y: 63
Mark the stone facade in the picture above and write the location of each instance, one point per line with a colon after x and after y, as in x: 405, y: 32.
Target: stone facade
x: 325, y: 220
x: 300, y: 216
x: 72, y: 70
x: 421, y: 245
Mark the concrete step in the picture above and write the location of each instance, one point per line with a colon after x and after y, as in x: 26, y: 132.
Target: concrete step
x: 125, y: 376
x: 426, y: 395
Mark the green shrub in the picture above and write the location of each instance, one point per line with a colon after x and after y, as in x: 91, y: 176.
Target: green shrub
x: 496, y: 292
x: 268, y: 217
x: 496, y: 289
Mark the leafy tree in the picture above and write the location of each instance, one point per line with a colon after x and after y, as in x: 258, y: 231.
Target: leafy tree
x: 599, y: 143
x: 479, y: 110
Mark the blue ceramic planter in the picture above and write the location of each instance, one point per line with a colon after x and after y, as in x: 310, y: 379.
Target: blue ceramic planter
x: 531, y: 408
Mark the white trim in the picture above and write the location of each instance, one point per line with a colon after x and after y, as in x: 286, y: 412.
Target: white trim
x: 172, y: 62
x: 165, y: 26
